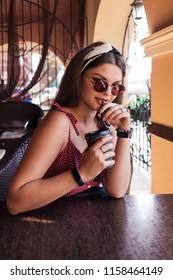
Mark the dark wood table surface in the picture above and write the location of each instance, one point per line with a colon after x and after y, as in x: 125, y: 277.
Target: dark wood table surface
x: 91, y: 227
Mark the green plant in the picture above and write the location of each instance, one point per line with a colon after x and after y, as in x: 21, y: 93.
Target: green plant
x: 139, y: 106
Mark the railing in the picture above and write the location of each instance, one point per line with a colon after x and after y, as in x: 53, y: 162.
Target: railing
x: 139, y: 106
x: 141, y: 144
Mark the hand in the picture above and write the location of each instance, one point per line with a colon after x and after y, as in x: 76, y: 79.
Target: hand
x: 95, y: 158
x: 115, y: 114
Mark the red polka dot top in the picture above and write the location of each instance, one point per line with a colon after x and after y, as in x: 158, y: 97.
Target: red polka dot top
x: 69, y: 158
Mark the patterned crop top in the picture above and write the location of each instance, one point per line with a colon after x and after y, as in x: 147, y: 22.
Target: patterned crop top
x: 69, y: 158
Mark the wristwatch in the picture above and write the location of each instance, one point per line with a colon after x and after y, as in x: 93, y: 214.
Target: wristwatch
x: 124, y: 133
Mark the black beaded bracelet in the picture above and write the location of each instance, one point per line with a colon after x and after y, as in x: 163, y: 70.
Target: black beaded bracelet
x: 77, y: 177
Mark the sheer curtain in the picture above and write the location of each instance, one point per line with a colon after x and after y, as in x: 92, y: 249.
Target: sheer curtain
x: 32, y: 35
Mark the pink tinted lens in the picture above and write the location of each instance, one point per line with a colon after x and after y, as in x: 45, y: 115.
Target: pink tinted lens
x: 100, y: 86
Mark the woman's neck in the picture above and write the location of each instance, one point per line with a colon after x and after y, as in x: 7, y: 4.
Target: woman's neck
x: 83, y: 115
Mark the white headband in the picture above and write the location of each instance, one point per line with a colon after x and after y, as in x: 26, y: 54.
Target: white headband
x: 96, y: 52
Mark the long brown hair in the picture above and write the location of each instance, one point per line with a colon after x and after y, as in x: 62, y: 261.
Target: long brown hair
x: 70, y: 86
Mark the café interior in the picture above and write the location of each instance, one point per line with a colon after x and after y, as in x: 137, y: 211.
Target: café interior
x: 56, y: 31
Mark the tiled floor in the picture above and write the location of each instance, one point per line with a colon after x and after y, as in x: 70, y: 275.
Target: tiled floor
x: 141, y: 181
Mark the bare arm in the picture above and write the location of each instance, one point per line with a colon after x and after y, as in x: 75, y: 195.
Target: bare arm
x: 28, y: 190
x: 116, y: 179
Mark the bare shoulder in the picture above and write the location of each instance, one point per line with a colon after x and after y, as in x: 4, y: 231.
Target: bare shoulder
x: 56, y: 118
x: 47, y: 142
x: 54, y: 124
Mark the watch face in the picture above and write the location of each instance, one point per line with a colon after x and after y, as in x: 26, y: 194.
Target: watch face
x: 124, y: 133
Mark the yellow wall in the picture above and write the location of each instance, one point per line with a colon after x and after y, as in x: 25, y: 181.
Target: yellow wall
x: 159, y: 45
x: 162, y: 165
x: 111, y: 21
x: 159, y: 14
x: 162, y: 89
x: 162, y: 113
x: 91, y: 9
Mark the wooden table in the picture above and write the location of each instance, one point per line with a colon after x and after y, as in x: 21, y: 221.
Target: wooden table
x: 91, y: 227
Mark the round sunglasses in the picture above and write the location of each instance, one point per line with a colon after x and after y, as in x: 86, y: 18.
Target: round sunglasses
x: 101, y: 86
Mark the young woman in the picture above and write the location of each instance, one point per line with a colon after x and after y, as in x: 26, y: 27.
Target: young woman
x: 57, y: 161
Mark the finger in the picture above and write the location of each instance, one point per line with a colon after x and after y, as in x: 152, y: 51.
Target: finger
x: 123, y: 110
x: 112, y: 115
x: 108, y: 154
x: 107, y: 147
x: 123, y: 113
x: 109, y: 161
x: 107, y: 158
x: 107, y: 106
x: 101, y: 142
x: 108, y: 112
x: 113, y: 112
